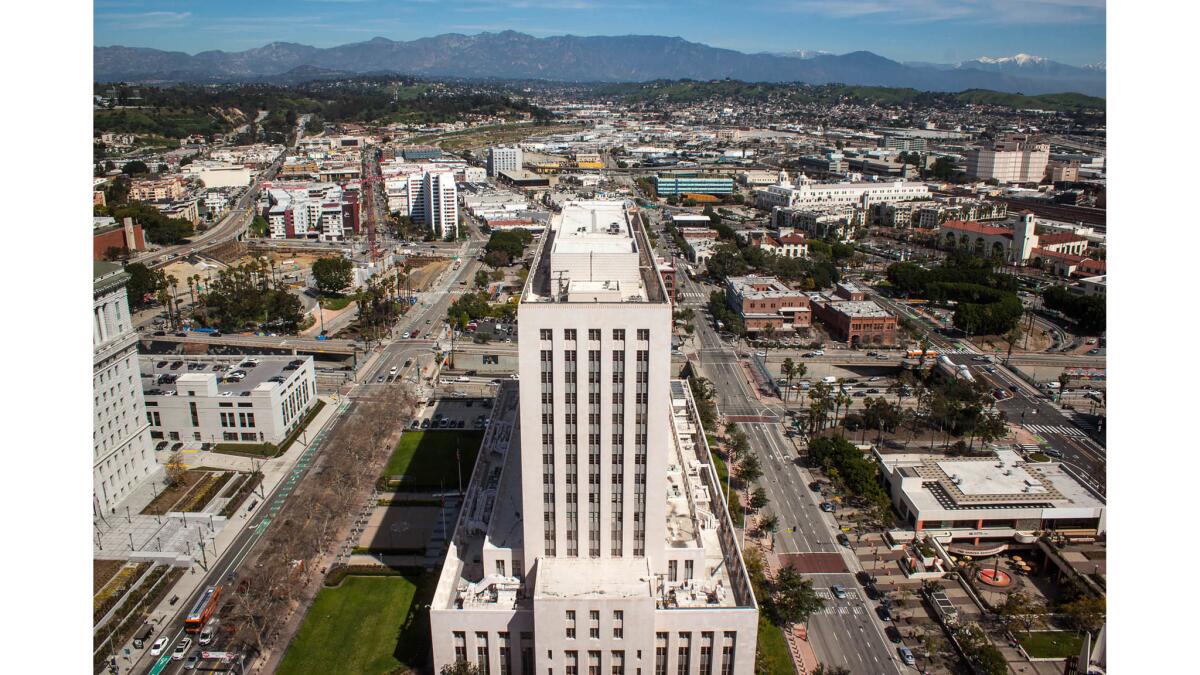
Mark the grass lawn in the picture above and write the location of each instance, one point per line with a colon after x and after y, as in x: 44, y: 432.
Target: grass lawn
x: 335, y: 303
x: 773, y: 656
x: 426, y: 459
x: 363, y: 626
x: 103, y: 571
x: 1050, y: 644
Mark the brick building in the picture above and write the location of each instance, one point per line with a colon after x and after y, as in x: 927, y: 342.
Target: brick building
x: 857, y: 322
x: 763, y: 301
x: 125, y: 238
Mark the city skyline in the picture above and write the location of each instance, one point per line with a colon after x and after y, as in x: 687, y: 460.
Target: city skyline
x: 1068, y: 31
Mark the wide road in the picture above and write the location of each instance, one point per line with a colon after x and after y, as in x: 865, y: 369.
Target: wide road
x: 847, y: 633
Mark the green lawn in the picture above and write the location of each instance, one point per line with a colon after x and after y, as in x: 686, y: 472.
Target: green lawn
x: 363, y: 626
x: 426, y: 459
x: 1050, y: 644
x: 773, y: 656
x: 336, y: 303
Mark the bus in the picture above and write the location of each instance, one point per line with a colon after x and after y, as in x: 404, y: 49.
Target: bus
x: 203, y: 610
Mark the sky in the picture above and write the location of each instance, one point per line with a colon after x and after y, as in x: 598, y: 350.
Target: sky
x: 1070, y: 31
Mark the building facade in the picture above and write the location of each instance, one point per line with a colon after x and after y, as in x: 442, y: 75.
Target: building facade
x: 807, y: 193
x: 222, y: 400
x: 1014, y: 159
x: 767, y: 301
x: 433, y: 201
x: 623, y: 557
x: 690, y: 183
x: 857, y: 322
x: 504, y: 159
x: 122, y: 454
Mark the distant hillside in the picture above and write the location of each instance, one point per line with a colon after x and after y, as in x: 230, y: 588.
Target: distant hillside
x: 568, y: 58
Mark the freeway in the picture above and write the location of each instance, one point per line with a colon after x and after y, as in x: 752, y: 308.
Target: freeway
x: 284, y: 342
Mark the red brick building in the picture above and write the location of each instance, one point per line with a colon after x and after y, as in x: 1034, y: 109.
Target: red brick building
x: 856, y: 322
x: 766, y: 301
x: 125, y: 238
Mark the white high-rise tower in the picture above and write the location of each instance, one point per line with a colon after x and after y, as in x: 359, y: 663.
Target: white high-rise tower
x: 594, y: 537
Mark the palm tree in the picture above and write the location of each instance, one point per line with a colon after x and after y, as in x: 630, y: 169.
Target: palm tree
x: 769, y: 331
x: 847, y: 401
x: 192, y: 289
x: 800, y: 371
x: 789, y: 369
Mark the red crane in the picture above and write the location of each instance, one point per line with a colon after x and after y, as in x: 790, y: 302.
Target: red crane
x: 369, y: 179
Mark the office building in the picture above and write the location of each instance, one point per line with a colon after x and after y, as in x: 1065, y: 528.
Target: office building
x: 593, y: 534
x: 211, y: 399
x: 320, y: 211
x: 806, y: 193
x: 691, y: 183
x: 997, y: 499
x: 851, y: 319
x: 1013, y: 159
x: 122, y: 455
x: 503, y: 159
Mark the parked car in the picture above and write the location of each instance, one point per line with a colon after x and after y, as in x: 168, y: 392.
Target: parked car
x: 843, y: 539
x: 192, y: 660
x: 815, y: 486
x: 893, y: 634
x: 906, y: 656
x: 884, y: 613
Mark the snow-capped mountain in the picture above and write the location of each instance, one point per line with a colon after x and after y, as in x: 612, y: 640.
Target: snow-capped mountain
x: 1040, y: 69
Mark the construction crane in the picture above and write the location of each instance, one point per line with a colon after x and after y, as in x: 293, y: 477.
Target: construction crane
x: 370, y: 178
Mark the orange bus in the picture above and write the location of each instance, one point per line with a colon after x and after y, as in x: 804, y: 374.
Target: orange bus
x: 203, y: 610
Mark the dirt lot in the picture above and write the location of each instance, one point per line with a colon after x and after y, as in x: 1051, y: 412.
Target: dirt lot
x: 287, y: 264
x: 1039, y: 341
x: 421, y: 278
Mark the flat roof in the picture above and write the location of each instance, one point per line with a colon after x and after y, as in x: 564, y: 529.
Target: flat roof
x: 191, y: 369
x: 598, y: 578
x: 859, y: 308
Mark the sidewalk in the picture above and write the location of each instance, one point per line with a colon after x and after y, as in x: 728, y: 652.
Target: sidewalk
x: 274, y: 472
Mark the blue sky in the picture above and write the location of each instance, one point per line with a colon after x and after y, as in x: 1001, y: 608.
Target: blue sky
x: 1071, y: 31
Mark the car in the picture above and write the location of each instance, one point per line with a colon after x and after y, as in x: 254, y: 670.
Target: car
x: 838, y: 591
x: 192, y: 660
x: 989, y: 370
x: 425, y: 423
x: 906, y: 656
x: 379, y: 379
x: 872, y: 391
x: 828, y: 507
x: 176, y: 447
x: 859, y: 394
x: 415, y: 424
x: 882, y: 357
x: 160, y: 333
x: 872, y: 353
x: 980, y: 359
x: 181, y: 334
x: 159, y: 645
x: 404, y: 335
x: 206, y: 635
x: 1012, y: 387
x: 892, y: 634
x: 815, y: 486
x: 761, y: 355
x: 181, y: 649
x: 1052, y: 452
x: 872, y: 591
x: 863, y: 578
x: 393, y: 371
x: 843, y: 539
x: 884, y: 613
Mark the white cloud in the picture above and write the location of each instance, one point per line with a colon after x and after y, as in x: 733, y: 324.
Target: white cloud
x: 145, y: 20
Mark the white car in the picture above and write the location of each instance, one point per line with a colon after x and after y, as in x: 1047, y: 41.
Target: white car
x: 761, y: 355
x: 159, y: 645
x: 393, y: 371
x: 181, y: 649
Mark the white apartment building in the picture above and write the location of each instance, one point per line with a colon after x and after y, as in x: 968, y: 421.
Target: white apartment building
x: 308, y: 211
x: 122, y: 455
x: 806, y: 193
x: 212, y: 399
x: 433, y: 201
x: 593, y: 534
x: 1014, y: 159
x: 503, y: 159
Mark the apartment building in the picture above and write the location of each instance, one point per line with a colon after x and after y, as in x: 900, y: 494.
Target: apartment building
x: 320, y: 211
x: 806, y: 193
x: 209, y: 399
x: 593, y: 535
x: 122, y: 454
x: 433, y: 201
x: 158, y: 190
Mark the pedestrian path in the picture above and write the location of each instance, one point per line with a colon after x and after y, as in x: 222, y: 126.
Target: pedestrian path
x: 1030, y: 447
x: 1059, y: 430
x: 1082, y: 421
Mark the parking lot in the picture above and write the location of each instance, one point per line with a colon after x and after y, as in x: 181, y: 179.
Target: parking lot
x: 454, y: 414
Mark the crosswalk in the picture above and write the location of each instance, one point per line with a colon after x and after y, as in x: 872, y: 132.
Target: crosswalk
x: 1082, y: 421
x: 1058, y: 430
x: 850, y: 604
x: 691, y: 295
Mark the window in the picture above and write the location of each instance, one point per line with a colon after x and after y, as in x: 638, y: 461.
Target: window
x: 643, y: 334
x: 195, y: 413
x: 569, y: 334
x: 594, y: 624
x: 460, y: 647
x: 594, y: 334
x: 546, y: 334
x: 526, y: 653
x: 727, y: 652
x: 706, y: 646
x: 505, y: 665
x: 660, y: 654
x: 593, y: 663
x: 618, y: 662
x: 572, y: 663
x: 570, y: 624
x: 481, y: 647
x: 685, y: 653
x: 618, y: 333
x: 618, y: 624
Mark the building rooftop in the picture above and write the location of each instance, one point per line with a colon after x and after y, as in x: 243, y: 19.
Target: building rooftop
x: 859, y: 308
x: 163, y: 375
x: 599, y: 578
x: 754, y: 286
x: 594, y: 252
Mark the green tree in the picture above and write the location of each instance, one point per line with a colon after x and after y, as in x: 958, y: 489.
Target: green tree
x: 460, y: 668
x: 144, y: 283
x: 823, y: 669
x: 768, y: 523
x: 332, y: 274
x: 749, y: 469
x: 759, y: 499
x: 793, y: 597
x: 135, y: 168
x: 259, y: 227
x: 1085, y: 613
x: 482, y: 279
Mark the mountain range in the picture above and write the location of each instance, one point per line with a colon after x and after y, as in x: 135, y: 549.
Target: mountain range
x: 569, y: 58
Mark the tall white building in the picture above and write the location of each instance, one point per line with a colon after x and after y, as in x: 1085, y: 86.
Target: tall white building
x: 594, y: 537
x: 806, y: 193
x: 122, y: 456
x: 503, y: 159
x: 1014, y: 159
x: 433, y: 201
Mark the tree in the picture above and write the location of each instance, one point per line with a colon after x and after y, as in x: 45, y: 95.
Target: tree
x: 789, y: 371
x: 1019, y: 609
x: 332, y: 274
x: 134, y: 168
x: 823, y: 669
x: 768, y: 523
x: 759, y: 499
x: 460, y: 668
x: 749, y: 469
x: 482, y: 279
x: 175, y: 468
x: 143, y: 284
x: 1085, y: 613
x: 794, y: 598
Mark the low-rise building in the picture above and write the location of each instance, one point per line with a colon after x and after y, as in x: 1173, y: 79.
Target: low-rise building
x: 789, y: 245
x: 767, y: 301
x: 165, y: 189
x: 856, y: 322
x: 1013, y: 159
x: 258, y: 399
x: 996, y: 499
x: 692, y: 183
x: 320, y: 211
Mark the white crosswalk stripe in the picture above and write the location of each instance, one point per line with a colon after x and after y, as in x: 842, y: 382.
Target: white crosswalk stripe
x: 1054, y: 429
